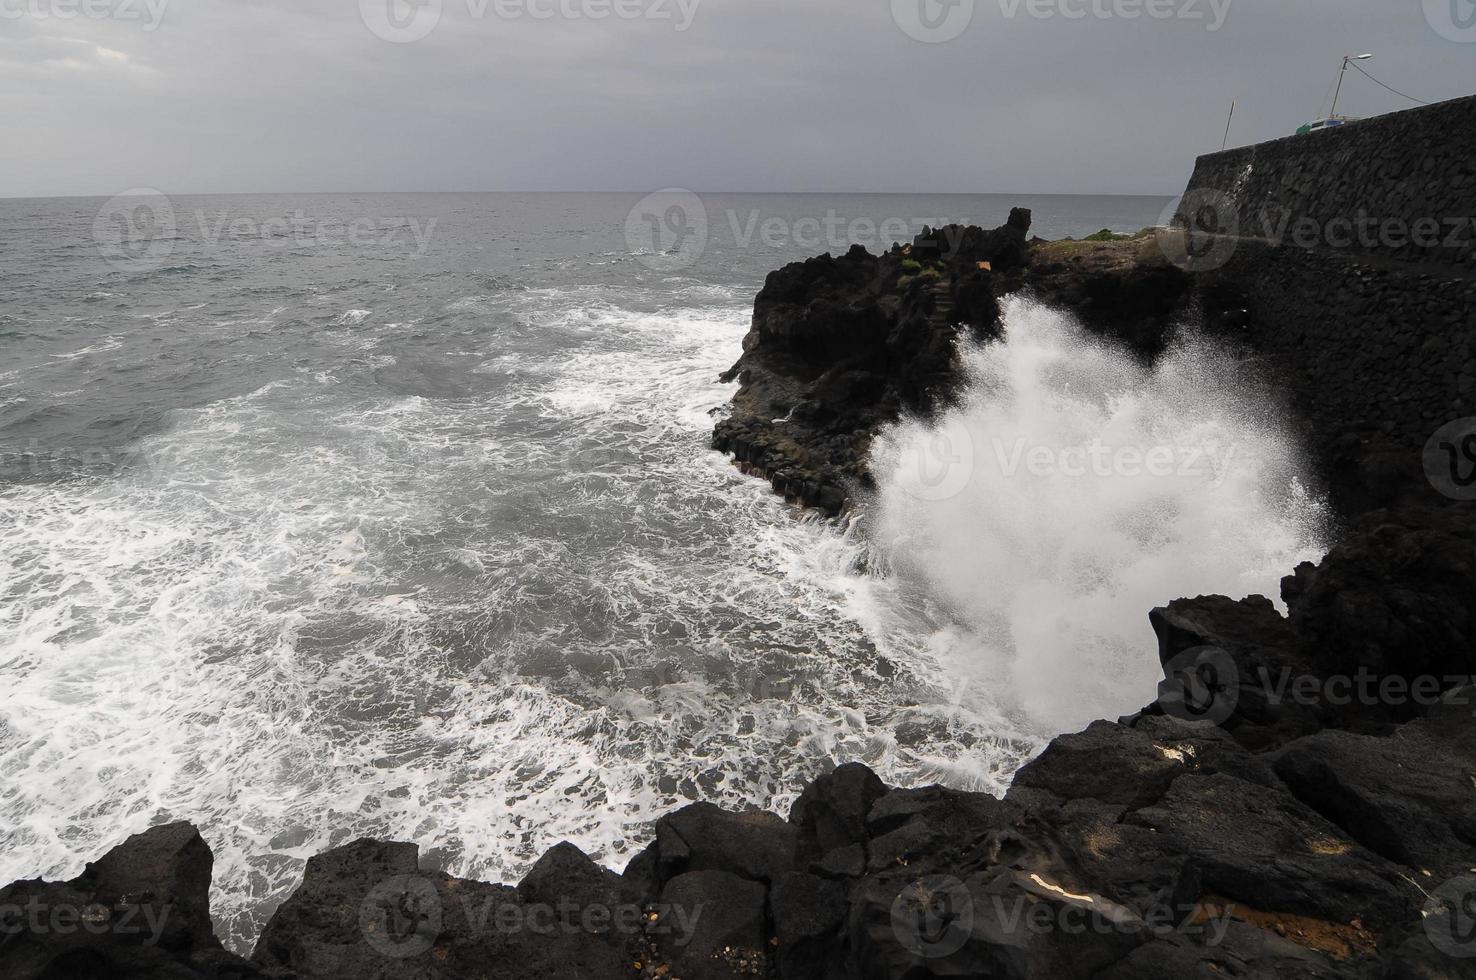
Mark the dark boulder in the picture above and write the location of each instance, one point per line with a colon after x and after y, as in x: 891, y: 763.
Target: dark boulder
x: 712, y: 926
x: 831, y: 812
x: 1407, y: 798
x: 1263, y: 849
x: 808, y: 914
x: 367, y: 911
x: 140, y: 912
x: 1395, y: 598
x: 1107, y: 762
x: 754, y: 845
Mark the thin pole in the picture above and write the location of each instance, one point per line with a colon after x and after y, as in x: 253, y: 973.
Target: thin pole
x: 1341, y: 73
x: 1225, y: 142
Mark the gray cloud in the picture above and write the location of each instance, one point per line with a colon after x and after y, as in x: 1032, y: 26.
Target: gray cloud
x: 282, y: 95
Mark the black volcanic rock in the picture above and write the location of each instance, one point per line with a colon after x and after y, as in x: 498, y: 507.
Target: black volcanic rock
x: 840, y: 346
x: 1387, y: 795
x: 831, y: 813
x: 140, y: 912
x: 755, y: 846
x: 367, y: 911
x: 731, y: 935
x: 1260, y: 847
x: 1394, y: 597
x: 809, y: 914
x: 1123, y: 290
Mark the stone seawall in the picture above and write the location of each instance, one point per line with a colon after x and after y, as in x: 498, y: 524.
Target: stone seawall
x: 1347, y: 260
x: 1393, y: 187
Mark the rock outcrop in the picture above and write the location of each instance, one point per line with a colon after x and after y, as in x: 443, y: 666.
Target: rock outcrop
x: 841, y: 345
x: 140, y: 912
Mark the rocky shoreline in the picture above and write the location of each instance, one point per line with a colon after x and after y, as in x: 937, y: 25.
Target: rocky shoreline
x: 1299, y: 800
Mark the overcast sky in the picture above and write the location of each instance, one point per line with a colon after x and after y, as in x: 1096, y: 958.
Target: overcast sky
x: 1030, y: 96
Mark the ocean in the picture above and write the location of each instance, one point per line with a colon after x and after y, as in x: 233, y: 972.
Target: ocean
x: 334, y: 516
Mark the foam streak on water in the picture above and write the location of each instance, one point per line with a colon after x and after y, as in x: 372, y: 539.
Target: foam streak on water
x: 1069, y: 493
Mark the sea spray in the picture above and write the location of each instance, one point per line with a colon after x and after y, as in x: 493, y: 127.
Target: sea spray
x: 1071, y: 490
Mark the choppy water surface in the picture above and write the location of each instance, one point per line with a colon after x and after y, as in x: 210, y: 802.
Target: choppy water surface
x: 418, y: 535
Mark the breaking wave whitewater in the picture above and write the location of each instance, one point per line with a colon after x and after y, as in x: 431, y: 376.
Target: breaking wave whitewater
x: 1070, y: 491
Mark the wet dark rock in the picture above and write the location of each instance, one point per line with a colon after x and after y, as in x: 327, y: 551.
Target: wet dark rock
x: 1125, y: 290
x: 831, y: 813
x: 1394, y: 597
x: 1392, y: 795
x: 1264, y: 849
x: 1106, y: 762
x: 809, y: 913
x: 1245, y: 952
x: 843, y: 862
x: 840, y: 346
x: 755, y: 845
x: 140, y: 912
x: 716, y: 926
x: 367, y: 911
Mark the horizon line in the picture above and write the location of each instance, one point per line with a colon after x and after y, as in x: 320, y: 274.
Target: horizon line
x: 80, y: 197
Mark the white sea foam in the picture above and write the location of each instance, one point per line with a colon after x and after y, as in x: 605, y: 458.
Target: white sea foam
x: 547, y: 610
x: 109, y: 344
x: 306, y: 615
